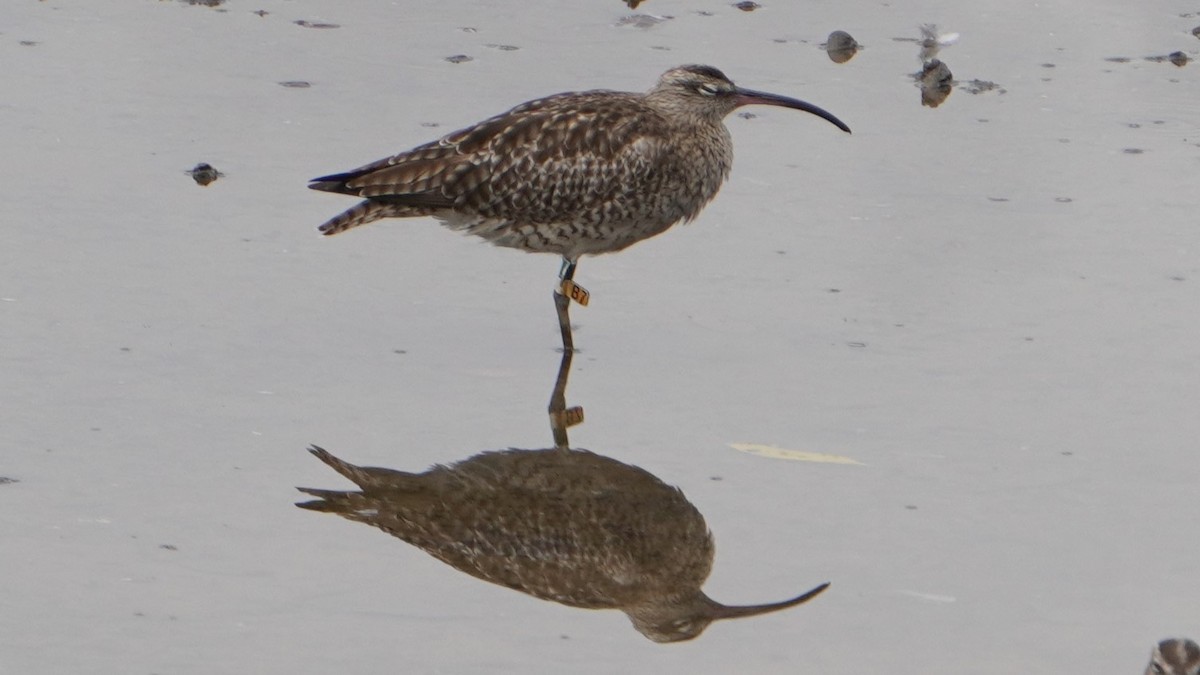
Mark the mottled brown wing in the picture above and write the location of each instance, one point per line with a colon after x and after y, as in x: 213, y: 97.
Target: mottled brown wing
x: 593, y: 551
x: 567, y: 160
x: 576, y: 528
x: 534, y: 163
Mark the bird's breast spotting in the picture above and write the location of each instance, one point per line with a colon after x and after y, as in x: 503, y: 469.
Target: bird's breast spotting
x: 568, y: 239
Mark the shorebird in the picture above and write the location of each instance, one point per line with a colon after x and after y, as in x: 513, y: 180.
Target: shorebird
x: 575, y: 174
x: 569, y: 526
x: 1175, y: 656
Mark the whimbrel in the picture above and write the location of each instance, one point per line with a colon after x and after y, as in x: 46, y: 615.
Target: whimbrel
x: 579, y: 173
x: 1175, y: 656
x: 569, y: 526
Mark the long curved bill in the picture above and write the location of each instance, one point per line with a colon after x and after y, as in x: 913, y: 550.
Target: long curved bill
x: 751, y: 97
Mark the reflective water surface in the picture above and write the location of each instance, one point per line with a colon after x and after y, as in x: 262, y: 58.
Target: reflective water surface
x: 560, y: 524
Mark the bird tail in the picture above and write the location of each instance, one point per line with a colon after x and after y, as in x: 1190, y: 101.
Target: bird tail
x: 339, y: 465
x: 398, y: 489
x: 354, y: 506
x: 365, y: 477
x: 329, y: 501
x: 341, y: 502
x: 366, y: 211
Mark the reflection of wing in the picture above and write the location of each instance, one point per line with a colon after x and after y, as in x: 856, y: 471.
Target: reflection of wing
x: 569, y: 526
x: 603, y: 551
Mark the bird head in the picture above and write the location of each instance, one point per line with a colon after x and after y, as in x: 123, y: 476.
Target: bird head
x: 707, y: 92
x: 687, y: 617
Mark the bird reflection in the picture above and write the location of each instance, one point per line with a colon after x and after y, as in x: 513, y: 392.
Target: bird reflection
x: 570, y: 526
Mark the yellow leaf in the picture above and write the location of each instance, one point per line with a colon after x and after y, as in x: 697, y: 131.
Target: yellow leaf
x: 795, y: 455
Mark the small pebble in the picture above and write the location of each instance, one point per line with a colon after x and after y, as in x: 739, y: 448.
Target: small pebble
x: 936, y: 81
x: 204, y: 174
x: 459, y: 58
x: 840, y: 46
x: 935, y: 72
x: 643, y: 21
x: 309, y: 24
x: 747, y: 5
x: 981, y: 86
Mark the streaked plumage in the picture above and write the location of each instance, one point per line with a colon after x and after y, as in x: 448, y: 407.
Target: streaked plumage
x: 565, y: 525
x: 573, y: 174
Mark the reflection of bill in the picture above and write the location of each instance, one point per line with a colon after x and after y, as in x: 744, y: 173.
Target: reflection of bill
x: 569, y: 526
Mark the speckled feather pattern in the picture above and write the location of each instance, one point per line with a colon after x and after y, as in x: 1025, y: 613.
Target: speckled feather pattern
x: 569, y: 526
x: 571, y: 174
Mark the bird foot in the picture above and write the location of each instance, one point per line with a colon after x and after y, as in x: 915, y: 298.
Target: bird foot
x: 566, y: 418
x: 574, y: 291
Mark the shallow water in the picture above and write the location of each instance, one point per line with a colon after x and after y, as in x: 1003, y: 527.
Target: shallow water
x: 989, y: 305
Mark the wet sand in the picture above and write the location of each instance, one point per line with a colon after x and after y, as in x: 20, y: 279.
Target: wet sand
x: 990, y: 306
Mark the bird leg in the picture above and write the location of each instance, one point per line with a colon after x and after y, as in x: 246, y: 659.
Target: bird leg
x: 562, y: 306
x: 562, y: 417
x: 567, y: 285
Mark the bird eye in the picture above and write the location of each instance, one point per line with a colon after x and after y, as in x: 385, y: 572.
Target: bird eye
x: 707, y: 89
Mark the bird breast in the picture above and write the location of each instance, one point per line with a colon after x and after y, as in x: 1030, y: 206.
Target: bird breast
x: 584, y: 203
